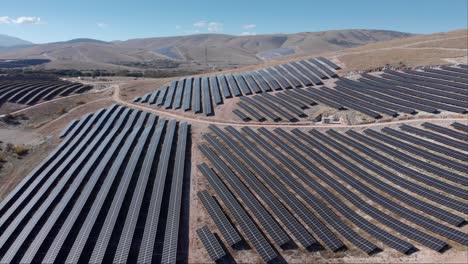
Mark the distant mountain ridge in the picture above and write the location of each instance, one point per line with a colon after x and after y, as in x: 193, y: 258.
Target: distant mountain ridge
x: 9, y: 41
x: 195, y: 51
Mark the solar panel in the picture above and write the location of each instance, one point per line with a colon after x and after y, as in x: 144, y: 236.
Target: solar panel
x: 460, y: 126
x: 241, y: 115
x: 279, y: 78
x: 215, y: 90
x: 390, y: 96
x: 38, y: 207
x: 207, y: 107
x: 275, y: 108
x: 262, y: 109
x: 289, y: 107
x: 297, y: 75
x: 233, y: 85
x: 170, y: 95
x: 329, y: 63
x: 416, y: 151
x: 287, y: 97
x: 221, y: 221
x: 328, y: 215
x: 68, y: 128
x: 31, y: 198
x: 145, y: 98
x: 446, y: 131
x: 313, y: 69
x: 378, y: 184
x: 254, y: 236
x: 211, y: 244
x: 410, y: 159
x: 251, y: 112
x: 188, y: 94
x: 125, y: 185
x: 136, y: 99
x: 272, y: 82
x: 449, y: 73
x: 179, y: 93
x: 371, y: 100
x: 99, y: 208
x: 426, y: 144
x: 408, y: 78
x: 422, y: 76
x: 434, y: 136
x: 294, y: 82
x: 162, y: 96
x: 405, y: 212
x: 154, y: 97
x: 395, y: 80
x: 149, y: 234
x: 224, y: 86
x: 251, y: 82
x: 263, y: 191
x: 263, y: 84
x: 323, y: 68
x: 242, y: 84
x: 304, y: 72
x: 128, y: 231
x: 360, y: 102
x: 312, y: 221
x: 409, y: 172
x: 169, y: 253
x: 454, y: 69
x: 197, y: 96
x: 32, y: 180
x: 408, y: 94
x: 93, y: 166
x: 258, y: 210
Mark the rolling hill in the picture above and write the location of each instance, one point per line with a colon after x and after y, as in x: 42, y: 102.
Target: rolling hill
x: 196, y: 51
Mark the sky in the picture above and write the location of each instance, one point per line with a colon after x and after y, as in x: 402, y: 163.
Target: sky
x: 58, y: 20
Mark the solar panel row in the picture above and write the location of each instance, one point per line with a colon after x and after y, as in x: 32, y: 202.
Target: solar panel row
x: 30, y: 92
x: 83, y: 203
x: 252, y: 233
x: 214, y: 88
x: 228, y: 231
x: 370, y: 160
x: 211, y: 244
x: 389, y: 94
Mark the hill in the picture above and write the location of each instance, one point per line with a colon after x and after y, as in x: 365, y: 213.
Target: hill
x: 204, y: 51
x: 9, y: 41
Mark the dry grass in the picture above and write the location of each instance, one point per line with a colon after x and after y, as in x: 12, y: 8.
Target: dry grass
x: 396, y: 57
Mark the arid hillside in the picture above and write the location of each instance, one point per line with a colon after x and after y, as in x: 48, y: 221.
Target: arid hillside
x: 206, y: 51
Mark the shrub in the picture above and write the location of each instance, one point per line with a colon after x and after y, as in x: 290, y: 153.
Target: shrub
x: 21, y: 150
x: 62, y: 111
x: 80, y: 102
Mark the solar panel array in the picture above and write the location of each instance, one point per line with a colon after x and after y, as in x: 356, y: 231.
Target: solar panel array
x: 212, y: 245
x: 202, y: 94
x: 99, y: 195
x: 391, y: 94
x: 403, y: 199
x: 32, y: 91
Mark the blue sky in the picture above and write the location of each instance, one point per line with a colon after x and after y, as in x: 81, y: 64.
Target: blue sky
x: 57, y: 20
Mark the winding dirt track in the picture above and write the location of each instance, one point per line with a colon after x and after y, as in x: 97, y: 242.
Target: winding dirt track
x: 116, y: 97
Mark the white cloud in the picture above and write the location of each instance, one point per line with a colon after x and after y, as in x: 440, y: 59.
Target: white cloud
x: 212, y: 27
x: 22, y: 20
x: 102, y: 25
x: 215, y: 27
x: 247, y: 33
x: 27, y: 20
x: 249, y: 26
x: 200, y: 24
x: 5, y: 20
